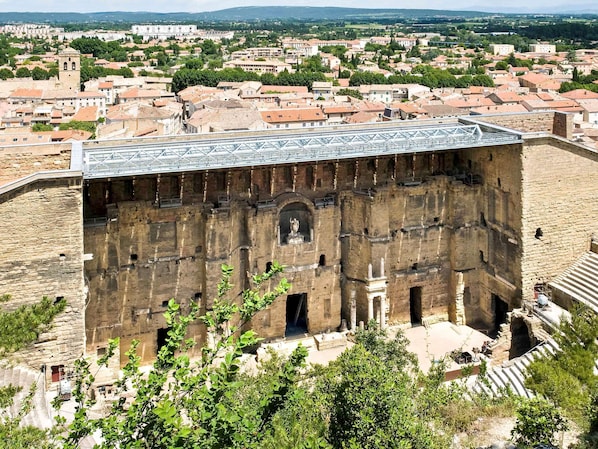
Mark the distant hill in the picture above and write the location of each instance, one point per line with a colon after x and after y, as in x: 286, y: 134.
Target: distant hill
x: 328, y: 13
x: 247, y: 13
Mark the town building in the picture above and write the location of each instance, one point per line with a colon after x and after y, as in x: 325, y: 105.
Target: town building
x: 502, y: 49
x: 542, y: 47
x: 164, y: 32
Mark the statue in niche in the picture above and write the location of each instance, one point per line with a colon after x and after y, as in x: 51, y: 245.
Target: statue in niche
x: 294, y: 237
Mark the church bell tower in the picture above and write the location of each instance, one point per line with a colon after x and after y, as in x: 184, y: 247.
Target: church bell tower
x: 69, y: 69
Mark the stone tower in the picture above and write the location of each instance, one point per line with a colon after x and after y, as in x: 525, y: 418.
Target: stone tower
x: 69, y: 69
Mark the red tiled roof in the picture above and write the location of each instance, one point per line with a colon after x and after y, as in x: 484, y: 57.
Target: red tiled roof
x: 27, y: 93
x: 292, y: 115
x: 86, y: 114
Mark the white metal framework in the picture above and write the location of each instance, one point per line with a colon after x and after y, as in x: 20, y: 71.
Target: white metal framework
x: 243, y: 150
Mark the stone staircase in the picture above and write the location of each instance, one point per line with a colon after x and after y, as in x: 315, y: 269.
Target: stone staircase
x: 511, y: 374
x: 19, y: 376
x: 580, y: 280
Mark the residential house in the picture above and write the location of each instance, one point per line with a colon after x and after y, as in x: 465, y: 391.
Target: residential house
x: 146, y: 96
x: 338, y: 113
x: 322, y: 89
x: 211, y: 120
x: 404, y: 111
x: 293, y: 118
x: 91, y: 98
x: 538, y: 83
x: 590, y: 110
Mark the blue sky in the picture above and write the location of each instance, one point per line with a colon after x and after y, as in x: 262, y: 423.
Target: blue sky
x: 202, y: 5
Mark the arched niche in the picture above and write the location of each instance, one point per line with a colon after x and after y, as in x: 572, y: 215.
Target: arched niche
x: 295, y: 224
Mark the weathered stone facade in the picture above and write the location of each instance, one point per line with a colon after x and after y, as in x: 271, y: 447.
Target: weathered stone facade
x: 409, y: 238
x: 428, y: 216
x: 41, y: 225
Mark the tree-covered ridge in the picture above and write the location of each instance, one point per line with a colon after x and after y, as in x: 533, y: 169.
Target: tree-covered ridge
x: 248, y: 13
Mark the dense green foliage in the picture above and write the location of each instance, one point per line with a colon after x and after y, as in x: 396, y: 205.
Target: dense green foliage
x: 41, y: 127
x: 350, y: 93
x: 568, y: 31
x: 568, y: 378
x: 83, y: 126
x: 424, y: 75
x: 186, y: 404
x: 538, y: 422
x: 111, y: 51
x: 374, y: 396
x: 186, y: 77
x: 20, y: 327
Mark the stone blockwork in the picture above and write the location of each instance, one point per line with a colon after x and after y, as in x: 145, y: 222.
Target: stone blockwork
x: 560, y: 208
x: 388, y: 237
x: 551, y: 122
x: 22, y: 160
x: 41, y: 255
x: 428, y: 216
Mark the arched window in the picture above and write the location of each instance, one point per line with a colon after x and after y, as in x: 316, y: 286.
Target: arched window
x: 74, y: 66
x: 66, y: 67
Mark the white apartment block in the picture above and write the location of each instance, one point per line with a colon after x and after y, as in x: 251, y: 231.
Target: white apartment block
x: 215, y: 35
x: 101, y: 35
x: 271, y: 66
x: 257, y: 52
x: 407, y: 42
x: 542, y: 47
x: 502, y: 49
x: 30, y: 30
x: 163, y: 32
x: 303, y: 48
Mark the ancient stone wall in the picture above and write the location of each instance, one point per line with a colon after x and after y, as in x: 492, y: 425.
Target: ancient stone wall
x: 142, y: 256
x: 427, y: 216
x: 559, y: 206
x: 22, y: 160
x: 551, y: 122
x: 41, y: 255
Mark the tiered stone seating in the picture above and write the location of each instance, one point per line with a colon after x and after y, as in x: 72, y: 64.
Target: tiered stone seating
x: 580, y: 280
x: 19, y: 376
x: 512, y: 374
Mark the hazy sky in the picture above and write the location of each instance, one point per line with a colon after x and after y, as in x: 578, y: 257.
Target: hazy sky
x: 203, y: 5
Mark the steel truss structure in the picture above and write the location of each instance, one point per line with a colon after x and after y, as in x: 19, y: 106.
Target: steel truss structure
x: 259, y: 149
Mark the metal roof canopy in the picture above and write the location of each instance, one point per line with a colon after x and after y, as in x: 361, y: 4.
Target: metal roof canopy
x: 269, y: 149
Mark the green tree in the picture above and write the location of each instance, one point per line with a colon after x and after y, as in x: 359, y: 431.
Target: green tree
x: 501, y: 65
x: 83, y: 126
x: 374, y: 396
x: 351, y: 93
x: 187, y: 404
x: 23, y: 72
x: 6, y: 73
x: 209, y: 47
x: 39, y: 74
x: 538, y: 422
x: 40, y: 127
x: 567, y: 378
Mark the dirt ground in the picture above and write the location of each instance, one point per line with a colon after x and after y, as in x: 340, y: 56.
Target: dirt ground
x: 495, y: 433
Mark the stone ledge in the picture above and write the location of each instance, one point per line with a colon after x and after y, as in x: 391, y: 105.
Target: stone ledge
x: 331, y: 340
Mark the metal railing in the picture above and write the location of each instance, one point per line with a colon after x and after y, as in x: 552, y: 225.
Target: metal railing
x: 271, y: 148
